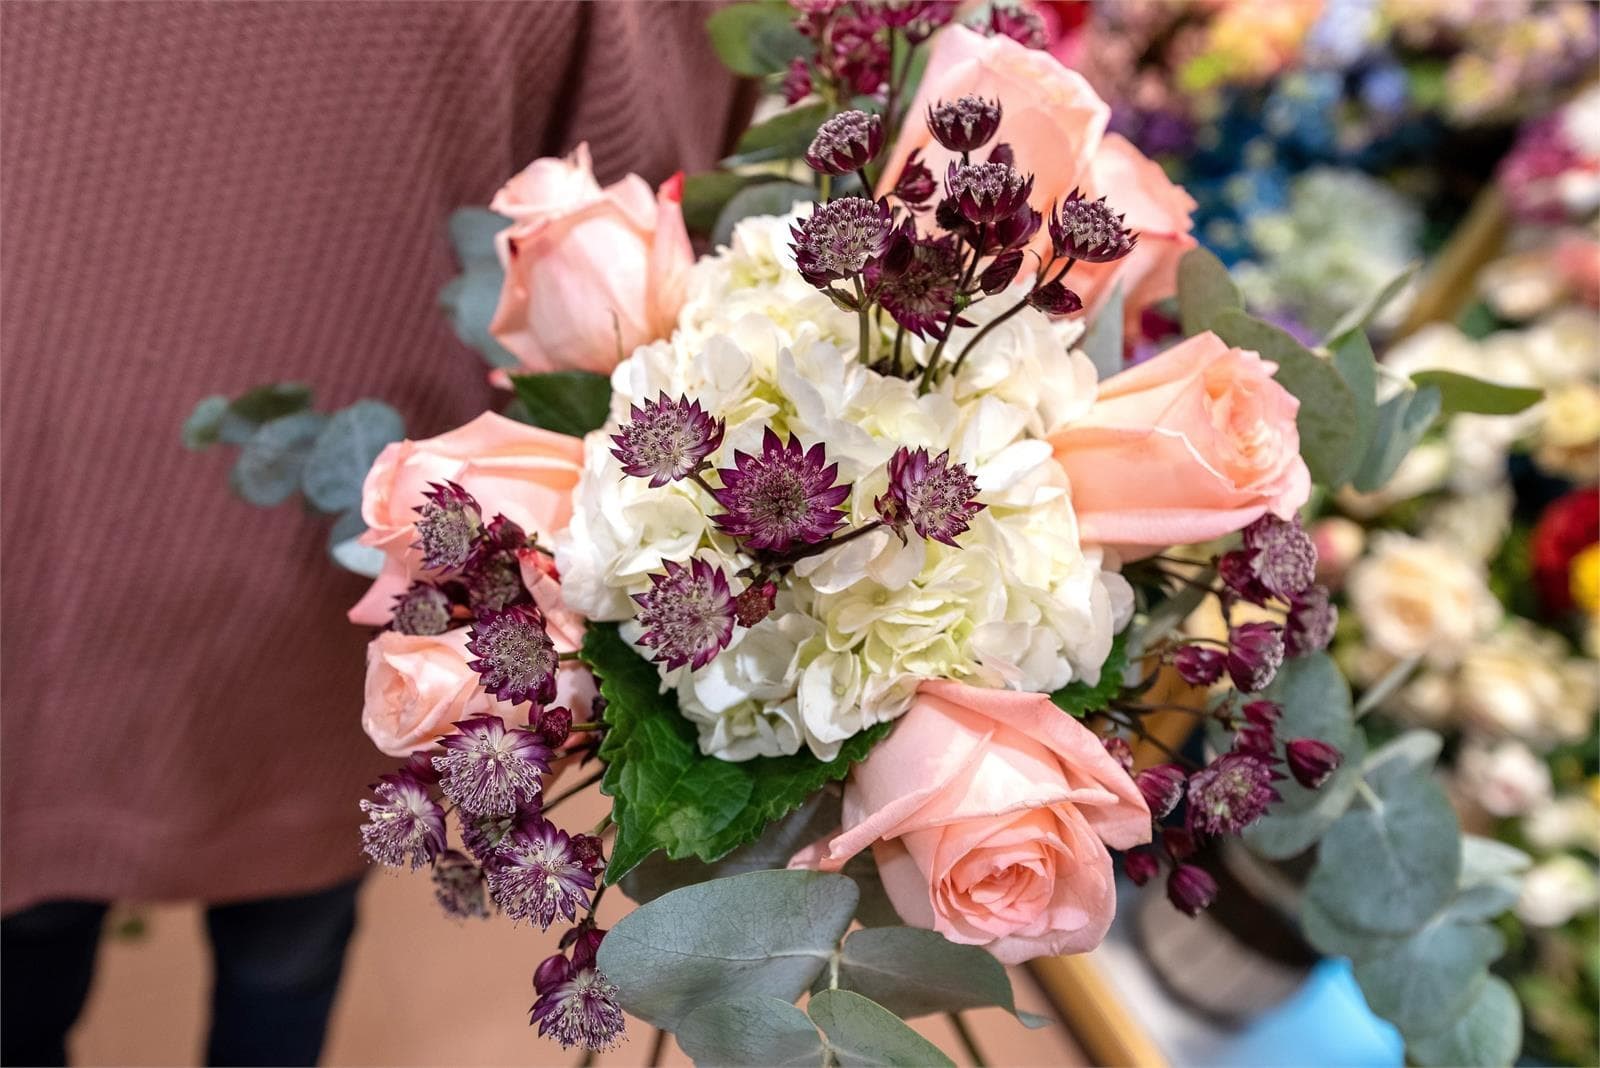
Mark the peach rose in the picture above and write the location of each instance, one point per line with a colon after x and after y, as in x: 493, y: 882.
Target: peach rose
x: 1055, y: 124
x: 417, y: 686
x: 989, y: 813
x: 1190, y: 445
x: 521, y: 471
x: 591, y: 273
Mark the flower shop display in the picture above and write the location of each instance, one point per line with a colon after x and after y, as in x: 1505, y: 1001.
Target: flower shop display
x: 853, y: 557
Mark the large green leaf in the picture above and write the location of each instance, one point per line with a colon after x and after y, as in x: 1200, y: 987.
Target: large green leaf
x: 1079, y: 698
x: 1432, y: 975
x: 1357, y: 319
x: 750, y: 1029
x: 1353, y: 358
x: 767, y: 198
x: 1204, y: 291
x: 766, y: 932
x: 339, y: 461
x: 705, y: 195
x: 862, y: 1032
x: 259, y: 406
x: 754, y: 39
x: 1327, y: 419
x: 668, y: 795
x: 913, y: 972
x: 1401, y: 421
x: 1463, y: 393
x: 267, y: 471
x: 786, y: 135
x: 1487, y: 1035
x: 567, y: 402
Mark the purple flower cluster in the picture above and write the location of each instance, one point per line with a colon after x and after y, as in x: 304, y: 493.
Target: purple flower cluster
x: 575, y: 1002
x: 855, y: 43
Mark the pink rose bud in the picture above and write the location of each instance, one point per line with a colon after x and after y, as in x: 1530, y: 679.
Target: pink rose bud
x: 552, y: 971
x: 1311, y: 761
x: 1161, y: 786
x: 1141, y: 866
x: 1190, y: 889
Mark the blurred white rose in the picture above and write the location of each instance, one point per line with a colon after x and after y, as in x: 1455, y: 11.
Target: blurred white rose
x: 1563, y: 823
x: 1556, y: 890
x: 1420, y: 598
x: 1521, y: 682
x: 1504, y: 778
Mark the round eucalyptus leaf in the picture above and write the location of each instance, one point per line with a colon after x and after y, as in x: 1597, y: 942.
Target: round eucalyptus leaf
x: 348, y: 552
x: 1487, y: 1035
x: 268, y: 469
x: 204, y: 425
x: 339, y: 461
x: 1415, y: 749
x: 1433, y: 975
x: 1328, y: 935
x: 752, y: 1029
x: 862, y: 1032
x: 913, y: 972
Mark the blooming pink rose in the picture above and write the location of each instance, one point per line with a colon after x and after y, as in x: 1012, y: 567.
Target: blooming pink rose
x: 1190, y: 445
x: 417, y: 686
x: 591, y: 273
x: 989, y: 813
x: 521, y: 471
x: 1055, y: 124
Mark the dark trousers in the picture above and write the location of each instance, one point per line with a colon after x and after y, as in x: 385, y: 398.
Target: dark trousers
x: 277, y: 963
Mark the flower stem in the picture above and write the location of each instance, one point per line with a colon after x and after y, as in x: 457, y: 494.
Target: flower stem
x: 574, y: 789
x: 967, y: 1041
x: 865, y: 348
x: 981, y: 334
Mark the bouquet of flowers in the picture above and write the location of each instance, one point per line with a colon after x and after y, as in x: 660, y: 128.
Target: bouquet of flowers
x: 858, y: 559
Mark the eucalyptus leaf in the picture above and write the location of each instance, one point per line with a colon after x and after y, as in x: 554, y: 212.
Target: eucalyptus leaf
x: 1431, y: 976
x: 1359, y: 318
x: 705, y: 194
x: 348, y: 552
x: 343, y: 453
x: 750, y: 1029
x: 567, y: 402
x: 261, y: 405
x: 862, y: 1032
x: 912, y: 972
x: 1463, y: 393
x: 1353, y: 358
x: 765, y: 932
x: 1401, y: 422
x: 472, y: 233
x: 267, y: 471
x: 1328, y: 935
x: 204, y: 425
x: 1299, y: 821
x: 1204, y: 290
x: 1416, y: 750
x: 768, y: 198
x: 469, y: 301
x: 1103, y: 341
x: 1487, y: 1035
x: 756, y: 39
x: 1327, y: 419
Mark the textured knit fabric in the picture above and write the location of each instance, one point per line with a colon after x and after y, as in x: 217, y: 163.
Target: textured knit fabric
x: 198, y: 198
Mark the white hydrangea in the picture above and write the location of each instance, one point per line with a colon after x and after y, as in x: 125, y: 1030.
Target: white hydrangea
x: 1020, y: 604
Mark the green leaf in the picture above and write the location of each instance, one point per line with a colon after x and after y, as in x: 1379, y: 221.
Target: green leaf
x: 1328, y: 935
x: 1414, y: 750
x: 1204, y: 290
x: 567, y: 402
x: 862, y: 1032
x: 1353, y: 359
x: 349, y: 553
x: 751, y: 1029
x: 767, y: 198
x: 469, y: 299
x: 268, y: 469
x: 1491, y: 879
x: 204, y: 425
x: 472, y: 233
x: 765, y: 932
x: 705, y: 194
x: 1487, y: 1035
x: 756, y: 39
x: 1103, y: 341
x: 262, y: 405
x: 786, y: 135
x: 1401, y: 422
x: 666, y: 793
x: 1079, y: 698
x: 1388, y: 869
x: 1463, y: 393
x: 1359, y: 318
x: 913, y: 972
x: 1431, y: 976
x: 339, y: 461
x: 1327, y: 417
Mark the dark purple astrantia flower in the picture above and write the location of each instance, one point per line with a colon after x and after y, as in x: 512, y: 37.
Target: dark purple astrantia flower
x: 516, y: 657
x: 1230, y: 794
x: 1161, y: 787
x: 577, y: 1006
x: 846, y: 142
x: 1311, y: 622
x: 666, y: 439
x: 448, y: 524
x: 964, y: 125
x: 933, y: 495
x: 487, y: 837
x: 919, y: 296
x: 490, y: 770
x: 687, y: 614
x: 493, y: 580
x: 1199, y: 665
x: 1053, y: 298
x: 1020, y: 23
x: 1141, y: 866
x: 404, y: 825
x: 796, y: 82
x: 458, y: 886
x: 1255, y: 652
x: 755, y: 603
x: 915, y: 185
x: 537, y: 876
x: 786, y: 496
x: 1285, y: 558
x: 985, y: 193
x: 916, y: 19
x: 838, y: 239
x: 1311, y: 761
x: 1190, y: 889
x: 1088, y: 230
x: 422, y: 609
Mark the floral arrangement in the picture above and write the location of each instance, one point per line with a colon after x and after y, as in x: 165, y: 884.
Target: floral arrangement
x: 857, y: 556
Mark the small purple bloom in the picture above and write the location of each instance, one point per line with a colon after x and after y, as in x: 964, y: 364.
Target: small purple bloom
x: 516, y: 657
x: 537, y: 876
x: 1001, y: 272
x: 1179, y: 843
x: 1255, y: 652
x: 493, y: 581
x: 1237, y: 570
x: 755, y: 603
x: 915, y: 185
x: 1190, y: 889
x: 1141, y: 866
x: 1312, y: 761
x: 584, y: 941
x: 1311, y: 622
x: 796, y: 82
x: 846, y: 142
x: 1053, y: 298
x: 487, y: 838
x: 458, y: 886
x: 589, y: 851
x: 1162, y: 787
x: 838, y: 239
x: 489, y: 770
x: 423, y: 609
x: 666, y: 439
x: 579, y: 1010
x: 1264, y: 714
x: 448, y: 524
x: 919, y: 296
x: 687, y: 614
x: 1089, y: 231
x: 1019, y: 22
x: 1120, y: 751
x: 1285, y: 558
x: 404, y: 824
x: 555, y: 725
x: 787, y: 495
x: 933, y: 495
x: 1199, y: 665
x: 1230, y: 794
x: 986, y: 193
x: 964, y: 125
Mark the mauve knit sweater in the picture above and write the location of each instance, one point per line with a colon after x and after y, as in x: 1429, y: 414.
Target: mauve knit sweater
x: 198, y: 198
